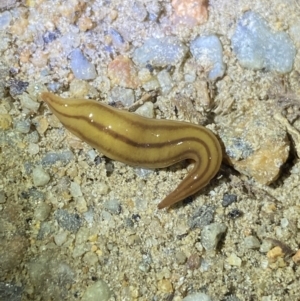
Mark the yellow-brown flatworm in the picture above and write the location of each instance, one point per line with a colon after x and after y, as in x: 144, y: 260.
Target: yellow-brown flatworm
x: 140, y: 141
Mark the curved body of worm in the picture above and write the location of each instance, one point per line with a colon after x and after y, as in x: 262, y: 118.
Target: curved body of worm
x: 139, y: 141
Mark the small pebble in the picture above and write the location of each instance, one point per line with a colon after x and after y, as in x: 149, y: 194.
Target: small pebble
x: 251, y: 242
x: 90, y: 258
x: 125, y: 96
x: 81, y: 67
x: 68, y: 221
x: 193, y: 262
x: 33, y: 148
x: 146, y: 110
x: 138, y: 11
x: 69, y: 41
x: 22, y: 126
x: 123, y: 73
x: 96, y: 292
x: 51, y: 158
x: 258, y: 47
x: 208, y: 52
x: 60, y: 238
x: 160, y: 52
x: 5, y: 19
x: 5, y: 121
x: 274, y: 254
x: 42, y: 211
x: 296, y: 257
x: 113, y: 206
x: 143, y: 172
x: 189, y: 12
x: 165, y: 286
x: 265, y: 246
x: 28, y: 103
x: 234, y: 260
x: 75, y: 190
x: 203, y: 216
x: 197, y: 297
x: 11, y: 291
x: 40, y: 176
x: 2, y: 197
x: 234, y: 213
x: 165, y: 81
x: 80, y: 204
x: 180, y: 257
x: 41, y: 124
x: 228, y: 199
x: 211, y: 235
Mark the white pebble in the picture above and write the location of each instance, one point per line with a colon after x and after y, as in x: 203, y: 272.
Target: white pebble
x: 42, y: 211
x: 81, y: 67
x: 80, y: 204
x: 146, y: 110
x: 33, y: 148
x: 75, y: 190
x: 197, y: 297
x: 5, y: 19
x: 40, y: 176
x: 234, y: 260
x: 160, y: 52
x: 97, y: 291
x: 257, y: 47
x: 208, y: 52
x: 165, y: 81
x: 60, y: 238
x: 28, y: 103
x: 211, y: 235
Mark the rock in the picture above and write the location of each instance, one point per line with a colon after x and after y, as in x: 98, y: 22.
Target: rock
x: 5, y: 121
x: 251, y: 242
x: 197, y: 297
x: 125, y: 96
x: 22, y: 126
x: 189, y: 12
x: 165, y: 286
x: 6, y: 4
x: 275, y: 253
x: 203, y: 216
x: 5, y: 19
x: 2, y: 197
x: 75, y: 190
x: 113, y: 206
x: 234, y: 260
x: 40, y: 176
x: 248, y: 139
x: 165, y: 81
x: 160, y: 52
x: 51, y: 158
x: 97, y: 291
x: 68, y: 221
x: 208, y: 52
x: 123, y: 73
x: 257, y: 47
x: 146, y: 110
x: 42, y: 211
x: 90, y: 258
x: 45, y: 272
x: 296, y: 257
x: 211, y: 235
x: 60, y: 238
x: 228, y: 199
x: 10, y: 292
x: 81, y: 67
